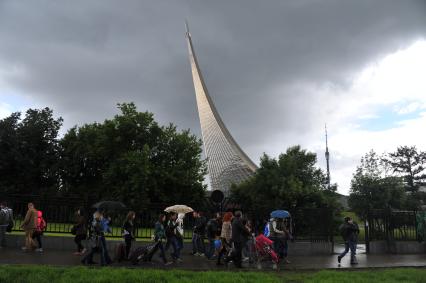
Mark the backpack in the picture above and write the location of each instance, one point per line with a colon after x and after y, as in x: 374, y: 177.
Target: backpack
x: 4, y: 217
x: 212, y: 228
x: 170, y: 227
x: 41, y: 224
x: 266, y: 230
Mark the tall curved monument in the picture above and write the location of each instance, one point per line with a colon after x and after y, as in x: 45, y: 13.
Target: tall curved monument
x: 226, y: 161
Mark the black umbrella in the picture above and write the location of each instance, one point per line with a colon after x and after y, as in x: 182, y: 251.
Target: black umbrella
x: 109, y: 205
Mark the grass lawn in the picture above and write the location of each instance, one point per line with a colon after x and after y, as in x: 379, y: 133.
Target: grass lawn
x: 44, y: 274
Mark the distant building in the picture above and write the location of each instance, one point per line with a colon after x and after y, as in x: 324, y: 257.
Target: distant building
x: 226, y: 161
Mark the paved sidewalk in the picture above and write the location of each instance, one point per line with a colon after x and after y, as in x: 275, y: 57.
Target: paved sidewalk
x: 65, y: 258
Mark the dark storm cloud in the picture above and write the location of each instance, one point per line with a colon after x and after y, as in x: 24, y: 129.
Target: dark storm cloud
x: 82, y: 57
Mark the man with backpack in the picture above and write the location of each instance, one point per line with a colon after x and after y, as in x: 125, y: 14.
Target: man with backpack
x: 349, y: 231
x: 198, y: 234
x: 6, y: 222
x: 41, y: 227
x: 213, y: 230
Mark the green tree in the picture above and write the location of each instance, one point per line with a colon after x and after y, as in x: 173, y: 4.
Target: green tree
x: 10, y: 155
x: 290, y: 182
x: 133, y: 159
x: 371, y: 189
x: 410, y: 164
x: 30, y: 152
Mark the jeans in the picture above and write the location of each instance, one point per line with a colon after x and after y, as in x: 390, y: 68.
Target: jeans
x: 249, y: 250
x: 78, y: 239
x: 198, y: 243
x: 349, y: 245
x: 105, y: 259
x: 128, y: 240
x: 280, y: 246
x: 236, y: 255
x: 3, y: 235
x: 37, y: 236
x: 162, y: 251
x: 223, y: 251
x: 173, y: 241
x: 211, y: 248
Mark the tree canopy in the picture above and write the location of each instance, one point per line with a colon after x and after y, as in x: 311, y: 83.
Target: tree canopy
x: 371, y: 188
x: 29, y: 152
x: 129, y: 158
x: 289, y: 182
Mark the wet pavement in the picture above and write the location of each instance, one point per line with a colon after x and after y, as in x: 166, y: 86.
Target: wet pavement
x: 190, y: 262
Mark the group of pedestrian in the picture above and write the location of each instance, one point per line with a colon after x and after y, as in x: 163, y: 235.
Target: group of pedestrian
x: 227, y: 237
x: 33, y: 225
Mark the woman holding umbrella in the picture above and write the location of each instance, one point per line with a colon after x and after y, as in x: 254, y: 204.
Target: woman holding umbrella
x: 279, y: 233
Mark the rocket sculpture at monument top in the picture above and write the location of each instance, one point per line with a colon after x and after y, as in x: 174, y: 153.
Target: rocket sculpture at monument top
x: 226, y: 161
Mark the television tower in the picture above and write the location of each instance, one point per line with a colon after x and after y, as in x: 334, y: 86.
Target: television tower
x: 327, y: 158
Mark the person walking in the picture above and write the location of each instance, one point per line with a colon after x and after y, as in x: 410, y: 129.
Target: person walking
x: 171, y: 236
x: 225, y: 236
x: 38, y: 232
x: 198, y: 247
x: 278, y: 234
x: 105, y: 224
x: 80, y: 231
x: 240, y: 235
x: 180, y: 232
x: 94, y: 241
x: 29, y: 225
x: 349, y: 230
x: 212, y: 231
x: 129, y: 231
x: 6, y: 222
x: 160, y: 235
x: 100, y: 226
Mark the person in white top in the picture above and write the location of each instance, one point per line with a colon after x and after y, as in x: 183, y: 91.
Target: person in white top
x: 179, y: 230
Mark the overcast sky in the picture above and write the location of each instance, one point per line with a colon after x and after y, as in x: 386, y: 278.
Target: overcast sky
x: 276, y: 70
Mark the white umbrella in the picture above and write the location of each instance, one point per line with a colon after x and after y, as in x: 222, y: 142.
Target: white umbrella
x: 179, y: 208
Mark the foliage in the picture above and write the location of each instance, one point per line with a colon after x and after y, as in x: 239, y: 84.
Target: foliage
x: 371, y: 189
x: 409, y: 163
x: 29, y: 151
x: 290, y: 182
x: 133, y: 159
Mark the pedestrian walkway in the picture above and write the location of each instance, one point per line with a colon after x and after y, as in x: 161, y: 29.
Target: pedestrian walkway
x: 190, y: 262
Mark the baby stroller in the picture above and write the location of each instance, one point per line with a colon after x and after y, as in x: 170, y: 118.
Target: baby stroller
x: 264, y: 252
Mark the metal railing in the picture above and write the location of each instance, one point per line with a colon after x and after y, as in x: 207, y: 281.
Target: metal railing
x: 307, y: 224
x: 390, y: 225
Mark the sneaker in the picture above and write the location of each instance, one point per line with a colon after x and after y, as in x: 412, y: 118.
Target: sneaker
x: 24, y: 249
x: 40, y: 250
x: 245, y: 259
x: 201, y: 254
x: 286, y: 261
x: 168, y: 263
x: 339, y: 259
x: 179, y: 259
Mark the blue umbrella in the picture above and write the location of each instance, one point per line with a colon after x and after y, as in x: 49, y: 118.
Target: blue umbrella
x: 280, y: 214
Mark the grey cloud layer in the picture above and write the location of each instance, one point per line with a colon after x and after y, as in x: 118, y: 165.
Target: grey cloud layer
x: 82, y: 57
